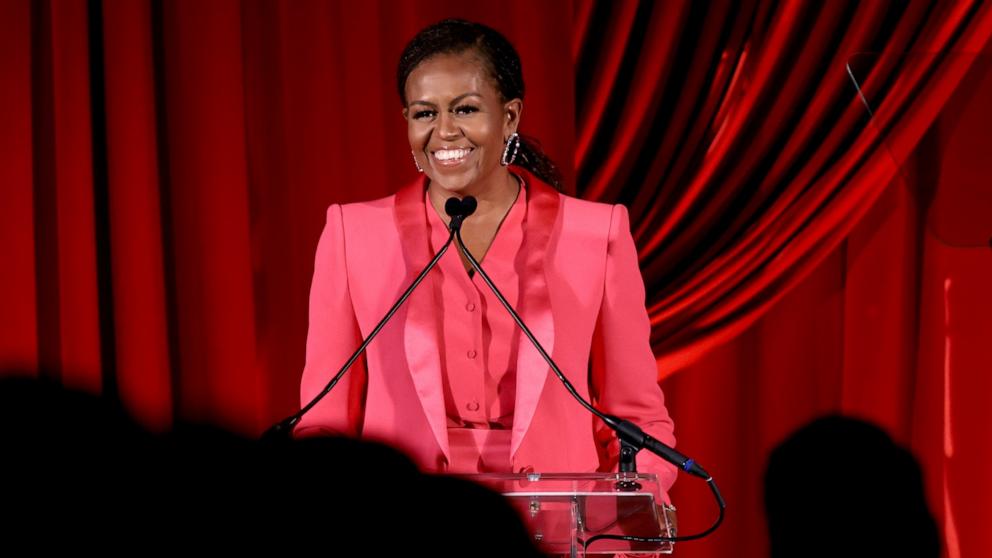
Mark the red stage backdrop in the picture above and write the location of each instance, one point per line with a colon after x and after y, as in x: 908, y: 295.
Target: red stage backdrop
x: 165, y: 167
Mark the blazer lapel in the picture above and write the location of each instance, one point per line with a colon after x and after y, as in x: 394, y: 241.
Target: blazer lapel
x: 421, y: 333
x: 534, y: 304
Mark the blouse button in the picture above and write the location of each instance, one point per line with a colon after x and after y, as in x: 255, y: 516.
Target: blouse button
x: 473, y: 406
x: 471, y: 353
x: 470, y: 306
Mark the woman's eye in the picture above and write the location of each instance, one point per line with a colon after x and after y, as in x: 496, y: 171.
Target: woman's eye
x: 466, y: 109
x: 420, y: 114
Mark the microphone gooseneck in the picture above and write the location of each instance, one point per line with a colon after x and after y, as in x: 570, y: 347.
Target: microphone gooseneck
x: 628, y: 433
x: 282, y: 431
x: 626, y: 430
x: 458, y: 209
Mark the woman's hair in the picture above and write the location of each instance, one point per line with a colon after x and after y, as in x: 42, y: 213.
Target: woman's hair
x: 501, y: 61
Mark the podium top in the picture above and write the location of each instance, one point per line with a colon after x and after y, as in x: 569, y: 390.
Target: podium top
x: 564, y: 510
x: 614, y: 484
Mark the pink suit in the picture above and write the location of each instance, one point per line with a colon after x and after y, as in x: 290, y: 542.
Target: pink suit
x: 580, y: 293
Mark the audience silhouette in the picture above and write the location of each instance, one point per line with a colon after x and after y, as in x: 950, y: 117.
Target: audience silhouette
x: 842, y: 487
x: 77, y: 471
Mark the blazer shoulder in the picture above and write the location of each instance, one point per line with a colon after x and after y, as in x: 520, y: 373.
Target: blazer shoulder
x: 585, y: 218
x: 365, y: 215
x: 383, y: 205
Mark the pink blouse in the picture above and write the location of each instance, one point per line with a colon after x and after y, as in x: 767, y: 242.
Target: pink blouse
x: 479, y: 344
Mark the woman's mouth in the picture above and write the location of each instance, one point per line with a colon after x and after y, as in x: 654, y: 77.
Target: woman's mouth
x: 450, y: 157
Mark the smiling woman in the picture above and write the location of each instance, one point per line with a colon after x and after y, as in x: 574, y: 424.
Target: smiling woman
x: 450, y: 380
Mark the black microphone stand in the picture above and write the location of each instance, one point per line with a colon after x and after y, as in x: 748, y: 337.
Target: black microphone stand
x: 282, y: 431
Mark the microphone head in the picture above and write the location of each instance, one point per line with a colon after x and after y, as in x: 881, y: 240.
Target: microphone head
x: 469, y: 205
x: 453, y: 207
x: 464, y: 207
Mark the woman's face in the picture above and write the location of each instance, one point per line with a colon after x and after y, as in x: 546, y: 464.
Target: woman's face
x: 457, y: 122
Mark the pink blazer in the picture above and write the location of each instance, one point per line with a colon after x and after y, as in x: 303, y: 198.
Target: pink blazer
x: 582, y: 297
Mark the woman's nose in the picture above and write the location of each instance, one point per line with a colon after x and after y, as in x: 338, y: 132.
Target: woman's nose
x: 447, y: 127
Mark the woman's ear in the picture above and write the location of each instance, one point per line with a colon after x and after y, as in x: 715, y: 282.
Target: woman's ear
x: 405, y: 112
x: 512, y: 110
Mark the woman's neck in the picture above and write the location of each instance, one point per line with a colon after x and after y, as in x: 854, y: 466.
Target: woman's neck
x: 494, y: 199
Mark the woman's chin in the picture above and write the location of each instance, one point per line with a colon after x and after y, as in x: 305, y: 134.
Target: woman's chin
x: 454, y: 183
x: 471, y: 180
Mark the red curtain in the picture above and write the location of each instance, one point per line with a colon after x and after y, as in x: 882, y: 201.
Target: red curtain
x: 786, y: 238
x: 165, y: 166
x: 742, y: 114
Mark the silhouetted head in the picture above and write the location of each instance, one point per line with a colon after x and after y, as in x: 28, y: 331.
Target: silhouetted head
x: 842, y: 487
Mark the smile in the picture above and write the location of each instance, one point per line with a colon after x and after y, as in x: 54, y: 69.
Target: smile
x: 451, y: 157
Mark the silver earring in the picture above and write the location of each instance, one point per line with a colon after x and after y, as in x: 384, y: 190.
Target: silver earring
x: 511, y: 149
x: 415, y: 162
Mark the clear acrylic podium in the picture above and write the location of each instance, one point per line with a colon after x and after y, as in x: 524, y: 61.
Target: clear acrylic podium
x: 562, y: 511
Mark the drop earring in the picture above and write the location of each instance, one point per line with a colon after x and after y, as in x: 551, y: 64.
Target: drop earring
x: 511, y: 149
x: 415, y: 162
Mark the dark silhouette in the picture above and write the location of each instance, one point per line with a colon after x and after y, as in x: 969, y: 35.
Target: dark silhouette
x: 842, y: 487
x: 78, y: 472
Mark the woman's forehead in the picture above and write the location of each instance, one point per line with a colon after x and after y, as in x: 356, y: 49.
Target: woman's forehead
x: 449, y: 75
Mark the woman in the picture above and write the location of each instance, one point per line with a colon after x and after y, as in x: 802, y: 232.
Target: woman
x: 450, y: 380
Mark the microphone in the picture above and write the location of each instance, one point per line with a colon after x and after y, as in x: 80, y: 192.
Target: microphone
x: 459, y: 209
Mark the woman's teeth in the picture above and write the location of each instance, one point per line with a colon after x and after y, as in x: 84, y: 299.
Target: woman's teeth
x: 451, y: 154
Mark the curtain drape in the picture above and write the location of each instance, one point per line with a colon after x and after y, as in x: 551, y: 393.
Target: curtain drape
x: 165, y: 166
x: 744, y: 114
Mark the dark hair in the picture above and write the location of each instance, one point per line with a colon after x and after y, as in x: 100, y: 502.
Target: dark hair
x: 501, y: 61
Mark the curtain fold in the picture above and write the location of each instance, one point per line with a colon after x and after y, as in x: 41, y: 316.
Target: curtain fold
x: 135, y: 159
x: 18, y: 306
